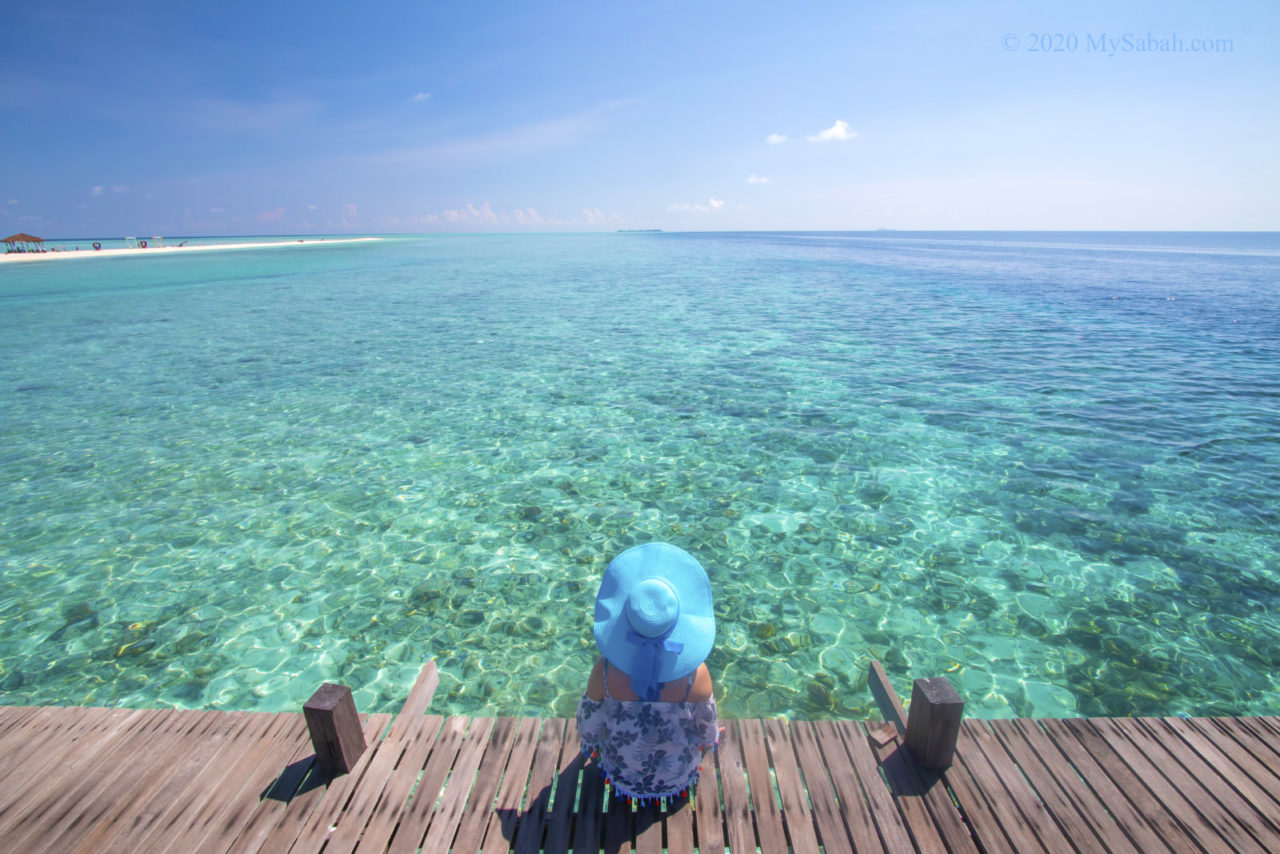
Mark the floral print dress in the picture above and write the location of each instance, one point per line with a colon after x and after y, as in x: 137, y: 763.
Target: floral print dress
x: 647, y: 749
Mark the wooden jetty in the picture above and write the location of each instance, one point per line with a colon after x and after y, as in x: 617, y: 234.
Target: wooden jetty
x: 117, y: 780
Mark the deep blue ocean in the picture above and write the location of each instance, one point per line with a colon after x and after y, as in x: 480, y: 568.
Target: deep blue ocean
x: 1044, y: 465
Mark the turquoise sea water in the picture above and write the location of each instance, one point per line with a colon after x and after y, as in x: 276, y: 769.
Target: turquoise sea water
x: 1044, y: 465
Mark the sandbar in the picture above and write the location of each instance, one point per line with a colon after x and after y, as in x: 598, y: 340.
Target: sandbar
x: 138, y: 252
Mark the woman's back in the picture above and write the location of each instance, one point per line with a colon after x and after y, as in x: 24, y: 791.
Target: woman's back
x: 648, y: 748
x: 698, y: 690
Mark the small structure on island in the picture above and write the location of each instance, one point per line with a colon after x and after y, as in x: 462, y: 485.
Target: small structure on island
x: 23, y: 242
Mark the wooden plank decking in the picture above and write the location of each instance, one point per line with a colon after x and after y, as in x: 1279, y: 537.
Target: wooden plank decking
x: 82, y: 780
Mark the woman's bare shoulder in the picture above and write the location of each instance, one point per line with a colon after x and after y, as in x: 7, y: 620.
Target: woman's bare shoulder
x: 595, y: 682
x: 702, y: 690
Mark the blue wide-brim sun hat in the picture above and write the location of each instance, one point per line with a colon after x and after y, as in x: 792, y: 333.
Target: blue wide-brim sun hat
x: 654, y: 619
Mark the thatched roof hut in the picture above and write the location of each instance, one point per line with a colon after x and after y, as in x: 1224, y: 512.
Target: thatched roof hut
x: 22, y: 242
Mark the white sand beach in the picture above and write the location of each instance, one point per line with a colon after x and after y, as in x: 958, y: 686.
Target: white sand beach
x: 152, y: 251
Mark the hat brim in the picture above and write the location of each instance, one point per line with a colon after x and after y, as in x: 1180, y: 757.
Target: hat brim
x: 695, y: 628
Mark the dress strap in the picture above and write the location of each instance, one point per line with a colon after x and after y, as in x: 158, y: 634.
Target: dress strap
x: 689, y: 686
x: 606, y: 677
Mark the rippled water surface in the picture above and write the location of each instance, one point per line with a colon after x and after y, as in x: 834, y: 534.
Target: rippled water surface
x: 1044, y: 465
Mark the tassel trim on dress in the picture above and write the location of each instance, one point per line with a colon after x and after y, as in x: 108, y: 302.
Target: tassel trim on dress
x: 642, y: 800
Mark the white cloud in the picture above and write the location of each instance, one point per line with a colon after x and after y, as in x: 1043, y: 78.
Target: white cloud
x: 776, y: 138
x: 528, y: 216
x: 503, y: 143
x: 311, y: 207
x: 216, y: 210
x: 13, y: 201
x: 420, y: 97
x: 713, y: 204
x: 119, y: 188
x: 349, y: 209
x: 271, y: 216
x: 224, y: 115
x: 484, y: 214
x: 753, y: 178
x: 470, y: 213
x: 97, y: 191
x: 838, y: 131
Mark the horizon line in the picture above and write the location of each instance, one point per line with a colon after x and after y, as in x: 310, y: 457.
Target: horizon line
x: 294, y: 235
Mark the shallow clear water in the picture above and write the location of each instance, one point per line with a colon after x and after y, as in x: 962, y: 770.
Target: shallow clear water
x: 1044, y: 465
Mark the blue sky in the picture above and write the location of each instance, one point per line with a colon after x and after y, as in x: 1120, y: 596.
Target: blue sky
x: 291, y: 118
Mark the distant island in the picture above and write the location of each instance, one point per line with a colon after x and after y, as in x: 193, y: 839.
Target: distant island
x: 639, y: 231
x: 139, y: 249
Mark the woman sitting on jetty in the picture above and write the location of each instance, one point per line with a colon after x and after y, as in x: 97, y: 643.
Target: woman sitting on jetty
x: 648, y: 712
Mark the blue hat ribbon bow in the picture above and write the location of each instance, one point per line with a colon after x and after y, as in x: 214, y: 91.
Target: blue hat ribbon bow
x: 648, y: 661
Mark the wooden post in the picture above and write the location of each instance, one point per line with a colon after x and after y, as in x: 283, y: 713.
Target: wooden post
x: 335, y: 728
x: 934, y: 723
